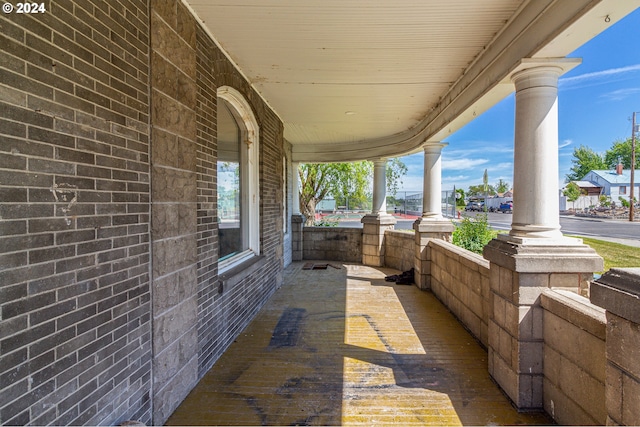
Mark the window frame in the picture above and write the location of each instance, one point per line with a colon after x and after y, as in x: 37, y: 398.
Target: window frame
x: 249, y: 180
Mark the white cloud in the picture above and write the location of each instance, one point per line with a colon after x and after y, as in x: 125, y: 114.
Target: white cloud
x: 462, y: 164
x: 620, y: 94
x: 585, y: 79
x: 565, y: 143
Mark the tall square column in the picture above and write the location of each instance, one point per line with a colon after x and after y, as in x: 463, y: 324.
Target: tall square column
x: 534, y: 255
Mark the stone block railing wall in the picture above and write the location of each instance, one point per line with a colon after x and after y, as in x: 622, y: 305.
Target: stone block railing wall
x: 332, y: 244
x: 460, y: 279
x: 574, y: 359
x: 397, y: 250
x: 618, y: 291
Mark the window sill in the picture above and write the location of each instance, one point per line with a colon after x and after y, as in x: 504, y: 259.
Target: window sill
x: 241, y: 271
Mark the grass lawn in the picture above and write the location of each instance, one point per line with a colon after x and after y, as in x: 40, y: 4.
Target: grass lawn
x: 614, y: 254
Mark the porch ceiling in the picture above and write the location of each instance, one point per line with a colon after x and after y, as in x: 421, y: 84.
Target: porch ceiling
x: 363, y: 79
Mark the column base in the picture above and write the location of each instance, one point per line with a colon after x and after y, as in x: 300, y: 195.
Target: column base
x: 434, y: 227
x: 427, y: 228
x: 373, y: 228
x: 519, y: 274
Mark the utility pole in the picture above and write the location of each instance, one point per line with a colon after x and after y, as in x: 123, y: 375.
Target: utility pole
x: 633, y: 164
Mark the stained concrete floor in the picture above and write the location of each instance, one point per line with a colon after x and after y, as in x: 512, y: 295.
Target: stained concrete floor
x: 344, y: 347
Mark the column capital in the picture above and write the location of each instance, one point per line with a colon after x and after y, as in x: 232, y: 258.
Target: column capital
x: 549, y: 66
x: 434, y: 146
x: 537, y: 76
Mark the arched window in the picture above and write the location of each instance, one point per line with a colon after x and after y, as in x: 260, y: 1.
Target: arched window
x: 238, y: 181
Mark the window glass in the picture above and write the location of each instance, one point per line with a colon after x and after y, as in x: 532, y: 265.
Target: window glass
x: 229, y: 183
x: 238, y: 180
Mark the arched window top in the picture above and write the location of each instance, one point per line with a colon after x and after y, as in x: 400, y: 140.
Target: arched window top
x: 242, y: 107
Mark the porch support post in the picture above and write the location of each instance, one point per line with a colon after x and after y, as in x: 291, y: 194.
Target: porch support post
x: 618, y: 292
x: 378, y: 221
x: 297, y: 219
x: 432, y: 225
x: 534, y: 255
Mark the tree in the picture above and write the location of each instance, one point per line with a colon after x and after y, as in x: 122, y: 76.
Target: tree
x: 460, y: 199
x: 342, y: 180
x: 478, y: 190
x: 394, y: 173
x: 502, y: 186
x: 572, y: 191
x: 620, y: 151
x: 585, y: 160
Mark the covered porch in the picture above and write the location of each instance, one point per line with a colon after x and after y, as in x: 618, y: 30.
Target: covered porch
x: 341, y: 346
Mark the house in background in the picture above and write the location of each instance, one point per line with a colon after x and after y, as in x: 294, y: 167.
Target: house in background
x: 588, y: 188
x: 613, y: 183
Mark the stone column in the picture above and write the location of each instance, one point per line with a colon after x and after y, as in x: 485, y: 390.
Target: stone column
x: 432, y: 225
x: 297, y: 219
x: 618, y: 292
x: 378, y: 221
x: 534, y: 255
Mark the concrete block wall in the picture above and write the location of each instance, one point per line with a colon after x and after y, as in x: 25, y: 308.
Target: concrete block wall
x: 460, y: 279
x: 574, y: 332
x: 618, y: 292
x: 75, y: 329
x: 174, y: 207
x: 332, y: 244
x: 398, y: 250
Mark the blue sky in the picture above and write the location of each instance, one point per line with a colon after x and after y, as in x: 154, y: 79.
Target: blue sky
x: 595, y: 103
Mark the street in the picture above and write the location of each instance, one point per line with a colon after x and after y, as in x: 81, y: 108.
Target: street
x: 619, y: 231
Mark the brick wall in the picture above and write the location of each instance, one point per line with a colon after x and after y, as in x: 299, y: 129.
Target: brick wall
x: 226, y: 305
x: 86, y: 127
x: 197, y: 314
x: 74, y: 183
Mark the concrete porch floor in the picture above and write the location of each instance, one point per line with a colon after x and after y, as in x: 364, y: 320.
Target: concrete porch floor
x: 344, y: 347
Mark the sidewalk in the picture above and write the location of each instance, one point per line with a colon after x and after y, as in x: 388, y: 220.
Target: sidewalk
x: 343, y: 347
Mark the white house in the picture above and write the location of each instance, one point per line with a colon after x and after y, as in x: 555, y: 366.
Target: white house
x: 613, y: 183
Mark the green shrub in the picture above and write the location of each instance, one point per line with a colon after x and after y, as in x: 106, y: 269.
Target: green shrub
x: 324, y: 222
x: 473, y: 234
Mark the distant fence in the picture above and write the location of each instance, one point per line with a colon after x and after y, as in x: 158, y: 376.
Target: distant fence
x: 410, y: 203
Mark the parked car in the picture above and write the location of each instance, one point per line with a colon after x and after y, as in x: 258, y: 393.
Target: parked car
x: 474, y: 206
x: 506, y: 207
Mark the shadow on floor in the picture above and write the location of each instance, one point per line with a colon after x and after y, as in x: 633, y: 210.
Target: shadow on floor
x: 344, y: 347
